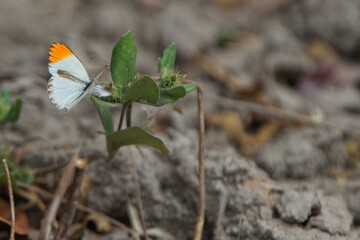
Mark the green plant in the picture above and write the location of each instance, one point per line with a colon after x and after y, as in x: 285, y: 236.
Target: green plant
x: 224, y: 36
x: 17, y: 173
x: 128, y: 88
x: 9, y: 112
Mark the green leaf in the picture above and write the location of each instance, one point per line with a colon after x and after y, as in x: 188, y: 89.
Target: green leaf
x: 23, y: 174
x: 15, y: 110
x: 5, y: 103
x: 13, y: 114
x: 5, y: 97
x: 105, y: 116
x: 133, y: 136
x: 144, y: 90
x: 123, y: 62
x: 189, y: 87
x: 168, y: 58
x: 169, y: 95
x: 107, y: 102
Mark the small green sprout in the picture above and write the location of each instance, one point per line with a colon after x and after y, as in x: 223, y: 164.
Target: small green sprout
x: 17, y: 173
x: 169, y: 78
x: 9, y: 112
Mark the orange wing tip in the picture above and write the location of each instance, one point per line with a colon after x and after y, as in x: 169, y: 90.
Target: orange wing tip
x: 58, y: 52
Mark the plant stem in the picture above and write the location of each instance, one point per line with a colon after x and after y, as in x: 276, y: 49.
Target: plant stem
x: 122, y: 115
x: 128, y: 115
x: 138, y: 196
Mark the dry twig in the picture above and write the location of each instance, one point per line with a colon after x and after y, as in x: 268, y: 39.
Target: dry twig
x: 63, y: 185
x: 83, y: 208
x: 218, y: 72
x: 201, y: 210
x: 228, y: 103
x: 201, y: 122
x: 70, y: 207
x: 11, y: 198
x: 269, y: 7
x: 29, y: 145
x: 51, y: 168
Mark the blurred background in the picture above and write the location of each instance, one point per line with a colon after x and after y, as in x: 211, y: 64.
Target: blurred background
x: 281, y: 82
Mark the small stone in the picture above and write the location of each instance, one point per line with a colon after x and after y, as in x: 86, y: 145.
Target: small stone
x: 334, y: 218
x: 297, y: 206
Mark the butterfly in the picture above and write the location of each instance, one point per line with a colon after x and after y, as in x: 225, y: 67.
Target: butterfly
x: 69, y: 81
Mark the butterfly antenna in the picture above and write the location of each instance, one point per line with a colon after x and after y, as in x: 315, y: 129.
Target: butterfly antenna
x: 101, y: 73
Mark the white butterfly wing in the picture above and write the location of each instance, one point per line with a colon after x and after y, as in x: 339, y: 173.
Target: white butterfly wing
x: 70, y: 81
x: 65, y: 94
x: 70, y: 64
